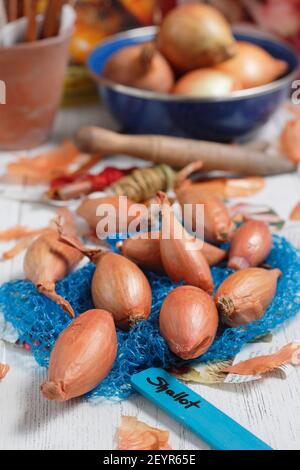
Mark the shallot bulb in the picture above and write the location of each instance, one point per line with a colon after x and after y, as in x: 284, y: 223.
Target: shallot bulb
x: 181, y: 253
x: 48, y: 260
x: 252, y: 66
x: 250, y: 246
x: 144, y: 250
x: 194, y: 36
x: 205, y: 83
x: 140, y: 66
x: 188, y: 321
x: 245, y: 295
x: 118, y: 285
x: 97, y: 213
x: 82, y: 356
x: 218, y: 226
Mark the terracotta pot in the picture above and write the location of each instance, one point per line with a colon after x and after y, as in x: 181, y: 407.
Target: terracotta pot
x: 34, y: 77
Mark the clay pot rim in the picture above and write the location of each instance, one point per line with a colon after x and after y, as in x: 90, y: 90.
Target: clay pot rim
x: 23, y: 46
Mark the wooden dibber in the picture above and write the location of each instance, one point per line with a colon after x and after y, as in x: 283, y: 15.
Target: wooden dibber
x: 178, y: 153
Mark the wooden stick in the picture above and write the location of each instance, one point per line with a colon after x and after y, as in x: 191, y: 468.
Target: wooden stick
x: 30, y: 11
x: 178, y: 152
x: 52, y: 18
x: 12, y: 10
x: 3, y: 16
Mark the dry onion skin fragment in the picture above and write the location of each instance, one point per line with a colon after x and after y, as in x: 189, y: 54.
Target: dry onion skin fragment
x: 290, y: 140
x: 250, y: 246
x: 295, y: 214
x: 48, y: 260
x: 118, y: 285
x: 82, y: 356
x: 4, y: 369
x: 245, y: 295
x: 136, y: 435
x: 289, y: 354
x: 188, y: 321
x: 181, y: 253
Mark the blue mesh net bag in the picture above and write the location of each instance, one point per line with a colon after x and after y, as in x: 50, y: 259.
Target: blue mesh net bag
x: 38, y: 321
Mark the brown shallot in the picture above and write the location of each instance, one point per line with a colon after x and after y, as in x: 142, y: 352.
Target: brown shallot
x: 218, y: 226
x: 180, y: 252
x: 245, y: 295
x: 289, y: 354
x: 145, y: 252
x: 188, y: 321
x: 48, y: 260
x: 82, y: 356
x: 140, y: 66
x: 251, y: 245
x: 118, y: 285
x: 194, y: 36
x: 110, y: 214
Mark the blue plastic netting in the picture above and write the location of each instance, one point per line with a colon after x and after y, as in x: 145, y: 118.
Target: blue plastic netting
x: 39, y: 321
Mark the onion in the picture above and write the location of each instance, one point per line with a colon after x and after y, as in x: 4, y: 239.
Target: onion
x: 206, y: 82
x: 144, y: 250
x: 141, y: 67
x: 193, y: 36
x: 181, y: 258
x: 82, y: 356
x: 188, y: 321
x: 118, y: 285
x: 48, y: 260
x: 250, y: 246
x: 252, y: 66
x: 245, y: 295
x: 123, y: 213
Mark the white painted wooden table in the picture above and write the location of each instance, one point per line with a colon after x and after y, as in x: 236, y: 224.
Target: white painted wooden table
x: 269, y: 408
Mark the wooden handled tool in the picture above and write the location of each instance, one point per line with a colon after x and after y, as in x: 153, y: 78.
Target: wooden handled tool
x: 178, y: 152
x: 52, y: 18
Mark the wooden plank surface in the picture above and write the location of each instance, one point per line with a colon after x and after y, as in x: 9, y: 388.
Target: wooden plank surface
x: 269, y: 408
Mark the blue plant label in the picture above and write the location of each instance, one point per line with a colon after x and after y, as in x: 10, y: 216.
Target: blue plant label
x: 205, y: 420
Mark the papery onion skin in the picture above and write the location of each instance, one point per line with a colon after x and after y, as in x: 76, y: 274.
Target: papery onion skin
x: 252, y: 66
x: 181, y: 261
x: 295, y: 214
x: 144, y: 250
x: 250, y: 246
x: 188, y: 321
x: 88, y: 211
x: 194, y: 36
x: 204, y: 83
x: 140, y: 66
x: 218, y: 226
x: 245, y: 295
x: 120, y: 287
x: 82, y: 356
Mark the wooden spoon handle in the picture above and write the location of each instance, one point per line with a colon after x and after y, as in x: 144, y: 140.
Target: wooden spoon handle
x: 52, y: 18
x: 178, y: 152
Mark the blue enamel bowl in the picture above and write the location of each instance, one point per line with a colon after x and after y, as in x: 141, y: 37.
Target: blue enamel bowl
x: 236, y: 116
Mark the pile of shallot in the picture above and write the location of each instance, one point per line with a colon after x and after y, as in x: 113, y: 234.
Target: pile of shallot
x: 195, y: 54
x: 85, y: 352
